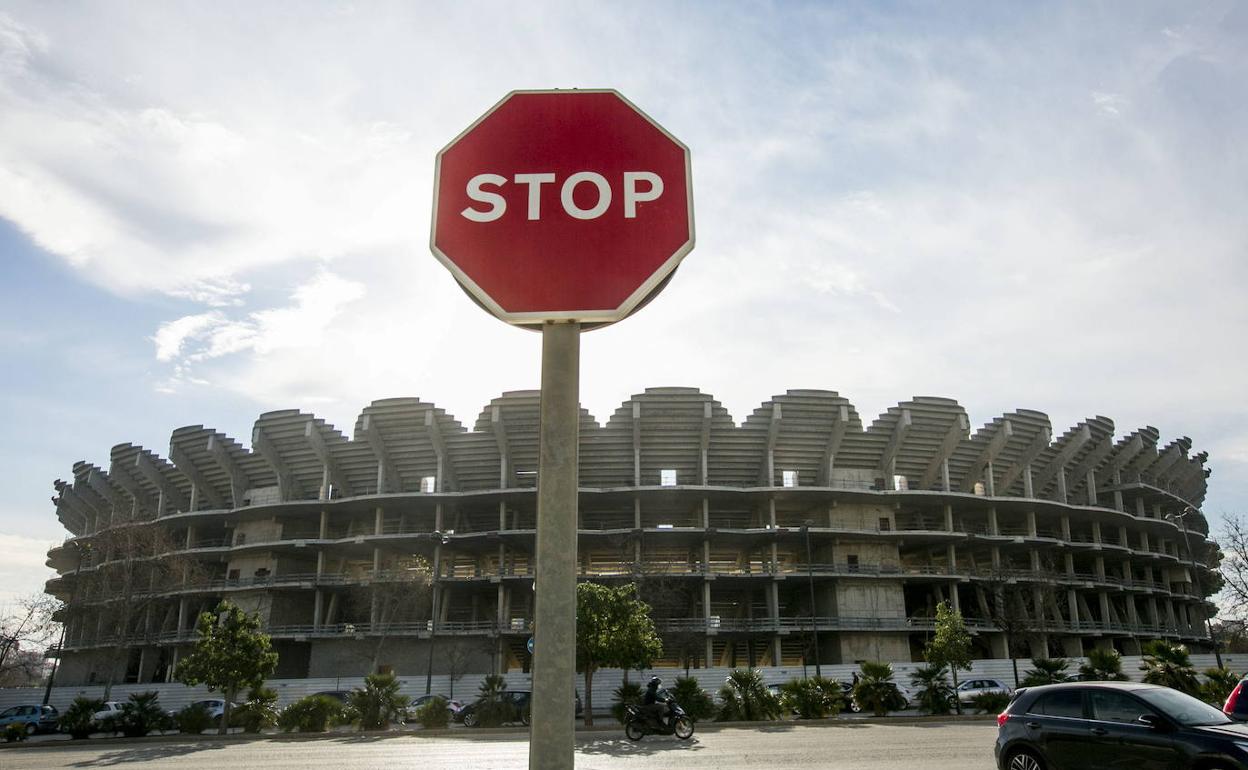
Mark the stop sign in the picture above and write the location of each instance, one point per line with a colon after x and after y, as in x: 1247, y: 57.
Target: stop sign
x: 562, y: 205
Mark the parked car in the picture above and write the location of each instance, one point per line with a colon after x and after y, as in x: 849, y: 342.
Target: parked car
x: 35, y: 717
x: 1089, y: 726
x: 342, y: 696
x: 215, y: 707
x: 111, y: 708
x: 453, y: 706
x: 969, y: 689
x: 519, y: 699
x: 1236, y: 706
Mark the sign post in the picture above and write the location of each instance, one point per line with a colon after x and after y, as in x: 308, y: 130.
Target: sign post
x: 561, y: 211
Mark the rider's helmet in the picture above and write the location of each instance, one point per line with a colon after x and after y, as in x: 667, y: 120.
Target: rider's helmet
x: 655, y: 682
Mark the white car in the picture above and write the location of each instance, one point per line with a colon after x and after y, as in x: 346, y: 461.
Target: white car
x: 111, y: 708
x: 970, y: 688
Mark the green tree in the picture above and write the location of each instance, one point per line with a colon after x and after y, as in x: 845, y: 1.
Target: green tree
x: 950, y: 645
x: 876, y: 689
x: 1046, y: 671
x: 613, y: 629
x: 746, y: 699
x: 697, y: 703
x: 934, y: 693
x: 231, y: 655
x: 1168, y: 665
x: 812, y: 698
x: 1104, y: 665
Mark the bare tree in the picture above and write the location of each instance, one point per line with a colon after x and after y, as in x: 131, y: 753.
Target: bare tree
x: 401, y: 593
x: 1234, y: 564
x: 26, y: 631
x: 135, y: 566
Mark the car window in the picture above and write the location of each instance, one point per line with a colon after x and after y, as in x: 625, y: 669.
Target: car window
x: 1063, y: 703
x: 1183, y: 708
x: 8, y: 712
x: 1111, y: 706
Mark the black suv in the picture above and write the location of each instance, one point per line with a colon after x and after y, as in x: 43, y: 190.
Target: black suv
x: 519, y: 701
x: 1090, y: 726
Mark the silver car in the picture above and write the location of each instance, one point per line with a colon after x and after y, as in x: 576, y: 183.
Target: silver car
x: 970, y: 688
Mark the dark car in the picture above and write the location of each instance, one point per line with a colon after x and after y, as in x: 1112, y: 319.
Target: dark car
x: 519, y: 699
x: 342, y: 696
x: 1089, y: 726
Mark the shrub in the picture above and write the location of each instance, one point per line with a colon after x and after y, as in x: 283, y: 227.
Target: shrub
x: 813, y: 698
x: 627, y: 694
x: 1046, y: 671
x: 256, y: 713
x: 697, y: 703
x: 746, y: 699
x: 990, y: 702
x: 15, y: 732
x: 139, y: 715
x: 1218, y: 685
x: 1104, y: 665
x: 313, y: 714
x: 193, y: 719
x: 79, y: 719
x: 935, y: 695
x: 492, y: 707
x: 876, y: 689
x: 378, y: 703
x: 433, y: 714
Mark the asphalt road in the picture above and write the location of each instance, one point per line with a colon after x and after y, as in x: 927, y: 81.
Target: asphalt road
x: 843, y: 744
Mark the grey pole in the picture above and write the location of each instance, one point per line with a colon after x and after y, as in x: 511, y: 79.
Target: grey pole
x: 1191, y: 557
x: 440, y: 539
x: 554, y: 637
x: 814, y: 614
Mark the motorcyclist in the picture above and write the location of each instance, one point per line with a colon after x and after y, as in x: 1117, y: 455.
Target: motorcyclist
x: 657, y: 702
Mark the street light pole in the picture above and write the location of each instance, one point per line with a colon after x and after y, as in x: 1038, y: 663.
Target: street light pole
x: 810, y: 581
x: 1200, y: 592
x: 442, y: 540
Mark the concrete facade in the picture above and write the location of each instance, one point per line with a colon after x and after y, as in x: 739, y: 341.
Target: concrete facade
x: 1047, y: 546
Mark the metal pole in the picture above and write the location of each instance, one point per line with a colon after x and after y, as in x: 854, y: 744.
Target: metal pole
x: 60, y: 647
x: 1191, y: 557
x: 554, y: 657
x: 814, y: 614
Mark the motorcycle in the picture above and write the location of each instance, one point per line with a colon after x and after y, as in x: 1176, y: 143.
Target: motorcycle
x: 637, y: 723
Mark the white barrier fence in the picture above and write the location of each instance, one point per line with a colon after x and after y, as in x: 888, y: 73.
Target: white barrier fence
x: 175, y: 696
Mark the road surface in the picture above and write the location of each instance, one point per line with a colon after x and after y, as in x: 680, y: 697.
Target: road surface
x: 841, y: 745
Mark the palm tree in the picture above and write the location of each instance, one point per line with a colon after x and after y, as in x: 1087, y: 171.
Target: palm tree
x: 1218, y: 685
x: 379, y: 702
x: 876, y: 689
x: 934, y: 693
x: 1104, y: 665
x: 1168, y: 665
x: 1046, y: 671
x: 746, y: 698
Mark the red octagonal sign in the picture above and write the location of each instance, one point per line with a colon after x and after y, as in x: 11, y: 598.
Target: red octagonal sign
x: 562, y: 205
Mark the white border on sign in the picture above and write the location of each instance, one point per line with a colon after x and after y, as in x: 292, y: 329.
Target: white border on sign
x: 600, y: 316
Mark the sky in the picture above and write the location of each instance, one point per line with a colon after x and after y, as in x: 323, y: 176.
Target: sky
x: 208, y: 211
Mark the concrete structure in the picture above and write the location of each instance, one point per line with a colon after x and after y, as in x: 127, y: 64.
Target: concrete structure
x: 1064, y: 543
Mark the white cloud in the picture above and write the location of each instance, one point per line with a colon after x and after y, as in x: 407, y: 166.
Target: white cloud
x: 22, y: 567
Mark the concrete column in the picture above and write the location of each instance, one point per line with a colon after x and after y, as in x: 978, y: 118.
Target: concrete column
x: 1118, y: 502
x: 944, y: 475
x: 1139, y: 508
x: 996, y: 557
x: 1070, y: 564
x: 190, y: 537
x: 502, y: 515
x: 1061, y: 486
x: 954, y: 602
x: 948, y: 518
x: 376, y: 562
x: 181, y: 615
x: 1031, y: 523
x: 1104, y: 601
x: 551, y: 743
x: 1072, y: 602
x: 1133, y: 614
x: 1092, y: 499
x: 771, y: 512
x: 989, y: 485
x: 994, y: 527
x: 317, y: 605
x: 1035, y: 560
x: 1170, y: 617
x: 379, y: 520
x: 1143, y: 540
x: 1028, y: 484
x: 1096, y: 532
x: 636, y: 513
x: 706, y: 513
x: 1154, y: 617
x: 1122, y: 537
x: 323, y: 531
x: 1065, y: 527
x: 1100, y: 567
